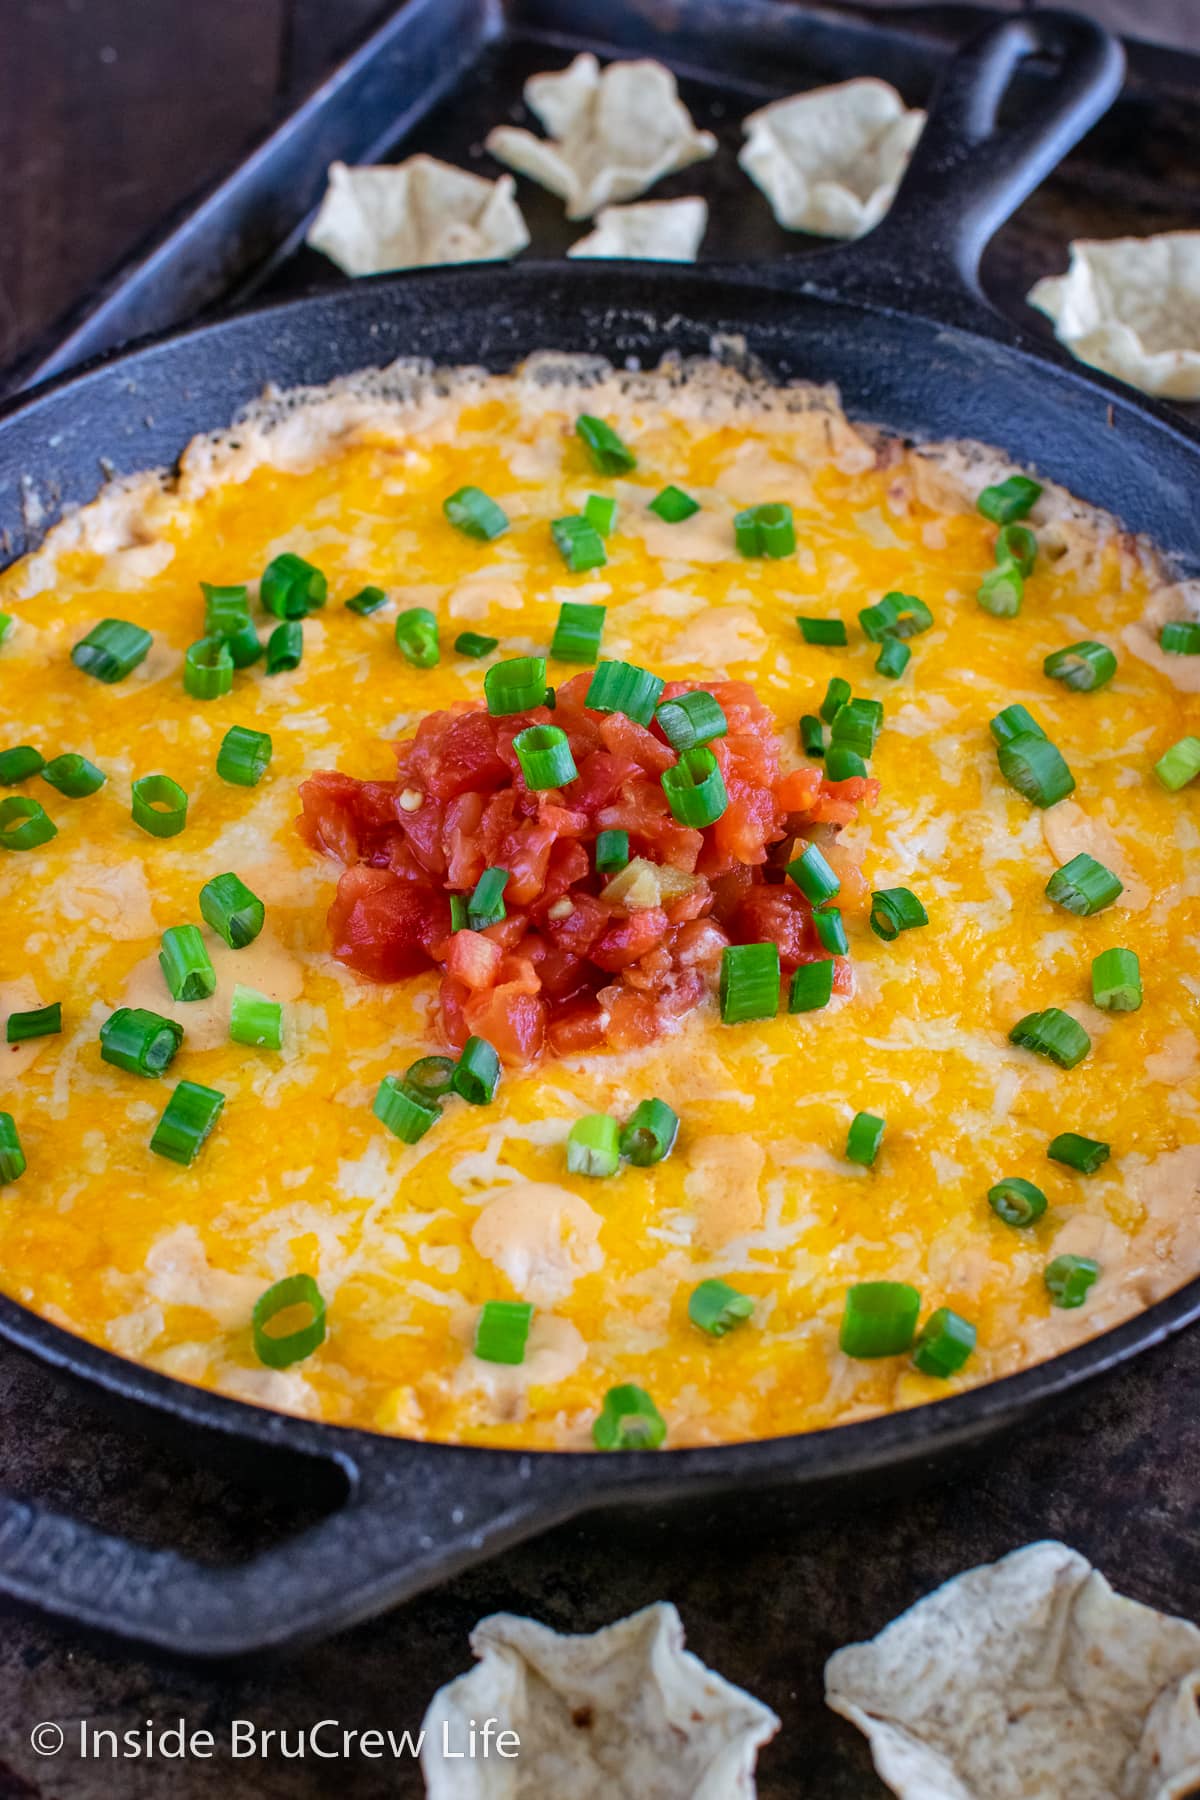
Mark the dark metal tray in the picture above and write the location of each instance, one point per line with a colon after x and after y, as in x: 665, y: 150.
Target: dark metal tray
x: 439, y: 73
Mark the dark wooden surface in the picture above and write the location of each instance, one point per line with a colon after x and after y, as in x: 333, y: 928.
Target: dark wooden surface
x: 111, y: 113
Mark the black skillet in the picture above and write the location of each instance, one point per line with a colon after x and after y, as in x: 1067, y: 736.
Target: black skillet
x: 898, y: 321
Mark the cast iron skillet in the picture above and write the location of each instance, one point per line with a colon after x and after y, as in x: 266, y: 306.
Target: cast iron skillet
x: 898, y: 321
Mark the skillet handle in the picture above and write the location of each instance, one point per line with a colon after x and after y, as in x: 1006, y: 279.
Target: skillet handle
x: 968, y: 174
x: 416, y: 1514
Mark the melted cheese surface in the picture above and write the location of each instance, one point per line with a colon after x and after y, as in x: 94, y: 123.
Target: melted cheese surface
x: 163, y: 1263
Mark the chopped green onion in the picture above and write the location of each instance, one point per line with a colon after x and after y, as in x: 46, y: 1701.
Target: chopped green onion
x: 160, y: 806
x: 255, y: 1020
x: 431, y: 1077
x: 612, y: 852
x: 812, y: 735
x: 208, y: 669
x: 629, y: 1420
x: 1016, y: 544
x: 472, y: 643
x: 716, y: 1307
x: 691, y: 719
x: 407, y: 1114
x: 813, y: 876
x: 190, y: 1115
x: 857, y: 725
x: 894, y: 910
x: 844, y: 764
x: 1083, y: 886
x: 607, y: 452
x: 822, y: 631
x: 673, y: 505
x: 24, y: 825
x: 1081, y: 667
x: 765, y: 530
x: 1052, y: 1033
x: 111, y: 650
x: 1180, y: 637
x: 502, y: 1331
x: 1068, y: 1279
x: 1013, y: 722
x: 836, y: 696
x: 578, y: 632
x: 6, y: 624
x: 138, y: 1041
x: 1001, y: 591
x: 579, y: 544
x: 486, y: 905
x: 516, y: 685
x: 458, y: 912
x: 1117, y: 980
x: 545, y: 757
x: 73, y: 775
x: 1009, y: 500
x: 649, y: 1133
x: 1082, y: 1153
x: 19, y: 764
x: 943, y: 1344
x: 695, y: 789
x: 1030, y: 763
x: 749, y: 987
x: 475, y: 514
x: 244, y: 646
x: 812, y: 986
x: 600, y: 511
x: 880, y: 1318
x: 368, y: 600
x: 226, y: 609
x: 280, y: 1351
x: 12, y: 1157
x: 477, y: 1076
x: 623, y: 687
x: 831, y: 930
x: 864, y: 1138
x: 417, y: 637
x: 45, y: 1022
x: 233, y: 912
x: 185, y: 963
x: 594, y: 1146
x: 285, y: 647
x: 893, y: 658
x: 292, y: 588
x: 244, y: 756
x: 896, y: 615
x: 1180, y: 764
x: 1016, y: 1201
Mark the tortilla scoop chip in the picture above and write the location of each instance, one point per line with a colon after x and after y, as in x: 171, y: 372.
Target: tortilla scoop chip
x: 657, y: 231
x: 611, y: 135
x: 623, y: 1714
x: 414, y: 214
x: 1131, y: 306
x: 1027, y: 1679
x: 830, y: 161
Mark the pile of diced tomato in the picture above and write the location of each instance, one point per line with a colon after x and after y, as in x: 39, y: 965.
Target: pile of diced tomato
x: 569, y: 968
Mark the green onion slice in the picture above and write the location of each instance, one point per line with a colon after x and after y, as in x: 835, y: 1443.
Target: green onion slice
x: 111, y: 650
x: 594, y: 1146
x: 691, y: 719
x: 649, y: 1133
x: 19, y: 764
x: 502, y: 1330
x: 1017, y: 1201
x: 417, y: 637
x: 185, y: 963
x: 1081, y: 667
x: 844, y: 764
x: 24, y: 825
x: 244, y: 756
x: 516, y: 685
x: 407, y: 1114
x: 1068, y: 1279
x: 46, y: 1021
x: 368, y: 600
x: 138, y: 1041
x: 1083, y: 886
x: 233, y: 912
x: 1052, y: 1033
x: 695, y: 789
x: 6, y: 624
x: 255, y: 1020
x: 578, y: 632
x: 431, y: 1077
x: 836, y: 696
x: 160, y: 806
x: 285, y: 647
x: 73, y: 775
x: 292, y: 588
x: 813, y: 876
x: 473, y: 643
x: 226, y: 609
x: 716, y: 1307
x: 545, y: 757
x: 879, y: 1319
x: 1179, y: 765
x: 629, y: 1420
x: 244, y: 646
x: 12, y: 1157
x: 857, y: 725
x: 1082, y: 1153
x: 623, y: 687
x: 943, y: 1344
x: 1013, y: 722
x: 208, y: 669
x: 579, y: 544
x: 812, y: 986
x: 1117, y: 980
x: 831, y: 930
x: 766, y: 530
x: 830, y: 632
x: 608, y: 453
x: 896, y: 615
x: 812, y: 735
x: 1009, y: 500
x: 612, y: 852
x: 1001, y: 591
x: 476, y: 514
x: 477, y: 1076
x: 486, y: 905
x: 1016, y: 544
x: 190, y: 1115
x: 600, y: 511
x: 673, y: 505
x: 893, y: 658
x: 864, y: 1138
x: 749, y: 987
x: 281, y: 1350
x: 894, y: 910
x: 1036, y: 768
x: 1180, y: 637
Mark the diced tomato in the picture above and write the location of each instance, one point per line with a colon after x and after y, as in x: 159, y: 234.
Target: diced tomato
x: 624, y: 737
x: 776, y: 915
x: 473, y: 959
x: 384, y: 927
x: 578, y: 1028
x: 512, y: 1021
x: 625, y: 940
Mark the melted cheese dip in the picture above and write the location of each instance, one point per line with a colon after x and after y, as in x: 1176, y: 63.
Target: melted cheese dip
x: 163, y: 1263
